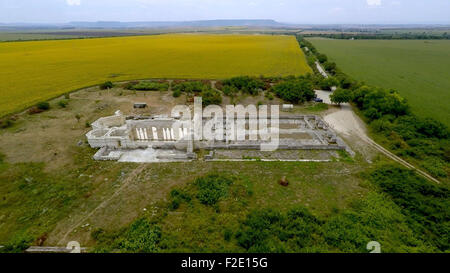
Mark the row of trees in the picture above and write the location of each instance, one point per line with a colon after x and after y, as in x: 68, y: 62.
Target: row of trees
x: 382, y: 36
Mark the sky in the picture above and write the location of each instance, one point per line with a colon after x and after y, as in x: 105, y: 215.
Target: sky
x: 288, y: 11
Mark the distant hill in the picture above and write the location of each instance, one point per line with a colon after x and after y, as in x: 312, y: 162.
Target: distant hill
x: 168, y: 24
x: 159, y: 24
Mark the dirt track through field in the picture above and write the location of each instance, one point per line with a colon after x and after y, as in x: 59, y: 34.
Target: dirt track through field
x: 346, y: 122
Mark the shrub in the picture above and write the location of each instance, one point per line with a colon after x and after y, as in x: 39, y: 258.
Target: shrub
x: 295, y: 91
x: 106, y: 85
x: 63, y: 103
x: 322, y: 58
x: 176, y: 93
x: 6, y: 123
x: 212, y: 188
x: 341, y: 96
x: 150, y: 86
x: 43, y: 106
x: 18, y: 243
x: 328, y: 83
x: 230, y: 91
x: 142, y: 236
x: 245, y: 84
x: 211, y: 97
x: 129, y: 85
x: 426, y: 205
x: 190, y: 87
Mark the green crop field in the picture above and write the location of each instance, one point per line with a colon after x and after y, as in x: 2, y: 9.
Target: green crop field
x: 38, y: 70
x: 419, y: 70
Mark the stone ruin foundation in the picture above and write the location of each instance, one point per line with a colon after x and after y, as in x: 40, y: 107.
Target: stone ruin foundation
x: 153, y: 139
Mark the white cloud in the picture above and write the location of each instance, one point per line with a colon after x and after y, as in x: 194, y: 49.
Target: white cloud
x: 374, y: 2
x: 73, y: 2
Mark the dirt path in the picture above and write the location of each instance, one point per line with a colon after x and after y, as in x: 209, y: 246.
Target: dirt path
x: 346, y: 122
x: 103, y: 204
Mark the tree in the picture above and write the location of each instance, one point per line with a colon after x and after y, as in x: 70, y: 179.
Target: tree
x: 322, y: 58
x: 106, y: 85
x: 330, y: 67
x: 295, y: 91
x: 341, y: 96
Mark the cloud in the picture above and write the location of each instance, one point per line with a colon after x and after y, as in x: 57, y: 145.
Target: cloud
x: 73, y: 2
x: 374, y: 2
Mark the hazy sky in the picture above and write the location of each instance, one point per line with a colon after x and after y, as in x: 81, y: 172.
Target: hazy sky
x: 294, y: 11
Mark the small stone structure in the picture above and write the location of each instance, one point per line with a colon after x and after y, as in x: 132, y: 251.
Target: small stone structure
x: 156, y: 139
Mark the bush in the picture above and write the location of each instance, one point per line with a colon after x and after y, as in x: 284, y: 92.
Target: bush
x: 330, y: 67
x: 211, y: 97
x: 328, y: 83
x: 149, y: 86
x: 245, y: 84
x: 426, y: 205
x: 63, y: 103
x: 18, y: 244
x: 142, y: 236
x: 212, y: 188
x: 230, y: 91
x: 6, y: 123
x: 295, y: 91
x: 190, y: 87
x: 176, y: 93
x: 341, y: 96
x: 43, y: 106
x: 106, y: 85
x: 322, y: 58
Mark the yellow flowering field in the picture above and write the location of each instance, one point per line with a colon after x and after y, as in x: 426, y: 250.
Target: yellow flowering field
x: 34, y: 71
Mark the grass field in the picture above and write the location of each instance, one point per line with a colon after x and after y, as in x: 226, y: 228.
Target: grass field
x: 419, y: 70
x: 35, y: 71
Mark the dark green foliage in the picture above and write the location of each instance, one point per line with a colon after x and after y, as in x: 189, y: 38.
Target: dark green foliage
x: 268, y: 230
x: 149, y: 86
x: 322, y: 58
x: 341, y: 96
x: 6, y: 123
x: 18, y: 244
x: 330, y: 67
x: 141, y: 237
x: 227, y: 235
x: 245, y: 84
x: 63, y: 103
x: 327, y: 83
x: 106, y: 85
x: 230, y: 91
x: 382, y: 36
x: 190, y: 87
x: 426, y: 205
x: 43, y: 106
x: 212, y: 188
x: 176, y: 93
x: 295, y: 91
x: 178, y: 196
x: 211, y: 97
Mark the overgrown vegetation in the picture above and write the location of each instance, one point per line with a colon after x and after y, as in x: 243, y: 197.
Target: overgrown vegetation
x: 190, y: 86
x: 244, y: 84
x: 397, y: 218
x: 148, y: 86
x: 383, y: 36
x: 106, y: 85
x: 426, y: 205
x: 295, y: 90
